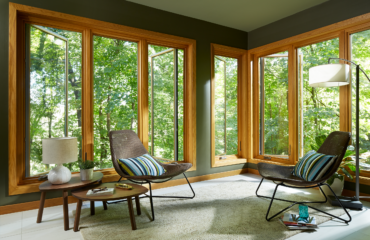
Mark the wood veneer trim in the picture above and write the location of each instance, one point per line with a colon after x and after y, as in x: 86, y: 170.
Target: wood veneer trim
x: 59, y: 201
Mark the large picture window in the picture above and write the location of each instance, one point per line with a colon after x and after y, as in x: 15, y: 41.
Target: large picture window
x: 80, y: 80
x: 115, y: 92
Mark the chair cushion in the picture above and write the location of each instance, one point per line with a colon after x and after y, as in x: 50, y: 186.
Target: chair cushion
x: 313, y: 166
x: 141, y: 166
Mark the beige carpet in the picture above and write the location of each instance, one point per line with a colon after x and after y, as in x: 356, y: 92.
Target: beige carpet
x: 222, y: 211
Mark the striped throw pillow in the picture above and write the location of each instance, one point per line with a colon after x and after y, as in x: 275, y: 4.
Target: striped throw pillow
x: 313, y: 165
x: 141, y: 166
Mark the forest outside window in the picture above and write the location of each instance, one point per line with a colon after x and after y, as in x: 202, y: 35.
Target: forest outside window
x: 226, y: 106
x: 360, y: 43
x: 166, y: 103
x: 115, y: 92
x: 53, y: 91
x: 318, y: 108
x: 274, y: 111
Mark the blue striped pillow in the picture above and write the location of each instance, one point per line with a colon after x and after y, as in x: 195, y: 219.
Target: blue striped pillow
x: 313, y: 165
x: 141, y: 166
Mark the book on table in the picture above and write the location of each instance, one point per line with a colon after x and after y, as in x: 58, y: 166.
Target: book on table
x: 292, y: 221
x: 101, y: 192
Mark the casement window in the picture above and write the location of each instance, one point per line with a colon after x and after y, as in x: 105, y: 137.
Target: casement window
x: 274, y: 105
x: 274, y: 112
x: 227, y: 88
x: 166, y: 103
x: 80, y: 79
x: 53, y: 91
x: 318, y: 108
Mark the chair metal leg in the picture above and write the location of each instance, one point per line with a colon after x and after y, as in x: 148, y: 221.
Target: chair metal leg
x: 151, y: 200
x: 180, y: 196
x: 285, y: 200
x: 294, y: 203
x: 349, y: 216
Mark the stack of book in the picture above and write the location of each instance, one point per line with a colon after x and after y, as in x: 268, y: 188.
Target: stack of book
x: 292, y: 222
x: 101, y: 192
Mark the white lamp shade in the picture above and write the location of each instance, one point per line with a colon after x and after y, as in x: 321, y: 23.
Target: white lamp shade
x: 59, y: 150
x: 329, y: 75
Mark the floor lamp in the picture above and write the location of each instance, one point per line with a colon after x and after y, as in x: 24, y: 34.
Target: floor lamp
x: 334, y: 75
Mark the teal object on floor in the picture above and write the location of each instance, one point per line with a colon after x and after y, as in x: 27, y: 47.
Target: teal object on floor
x: 303, y: 212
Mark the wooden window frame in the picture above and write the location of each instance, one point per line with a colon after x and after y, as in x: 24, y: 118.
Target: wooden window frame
x: 21, y: 14
x: 241, y: 56
x: 292, y: 106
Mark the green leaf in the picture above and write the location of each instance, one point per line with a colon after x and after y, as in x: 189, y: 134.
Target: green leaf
x: 331, y: 180
x: 346, y: 173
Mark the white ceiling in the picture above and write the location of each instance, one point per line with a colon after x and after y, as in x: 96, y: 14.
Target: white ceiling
x: 245, y: 15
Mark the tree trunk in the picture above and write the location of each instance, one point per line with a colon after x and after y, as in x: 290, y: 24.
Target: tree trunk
x: 103, y: 150
x: 132, y: 119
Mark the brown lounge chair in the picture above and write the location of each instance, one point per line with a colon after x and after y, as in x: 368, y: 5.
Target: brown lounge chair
x: 125, y: 144
x: 335, y: 144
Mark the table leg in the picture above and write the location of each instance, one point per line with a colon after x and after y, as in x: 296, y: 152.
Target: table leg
x: 131, y: 211
x: 77, y: 217
x: 105, y: 205
x: 138, y: 209
x: 41, y: 207
x: 92, y: 207
x: 65, y: 210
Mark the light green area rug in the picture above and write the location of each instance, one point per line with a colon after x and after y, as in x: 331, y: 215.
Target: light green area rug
x: 222, y: 211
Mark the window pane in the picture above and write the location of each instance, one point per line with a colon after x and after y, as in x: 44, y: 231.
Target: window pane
x: 226, y: 106
x: 163, y: 118
x: 360, y: 44
x: 274, y: 124
x: 46, y: 97
x: 115, y: 92
x: 318, y: 107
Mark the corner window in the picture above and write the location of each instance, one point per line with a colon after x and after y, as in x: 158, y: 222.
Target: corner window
x: 227, y: 90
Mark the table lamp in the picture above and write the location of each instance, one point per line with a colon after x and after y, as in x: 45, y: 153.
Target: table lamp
x: 334, y: 75
x: 59, y: 151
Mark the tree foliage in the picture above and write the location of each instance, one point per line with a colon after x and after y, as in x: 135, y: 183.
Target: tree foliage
x: 162, y: 102
x: 226, y: 106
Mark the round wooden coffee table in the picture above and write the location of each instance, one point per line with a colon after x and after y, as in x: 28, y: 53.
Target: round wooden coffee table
x: 137, y: 190
x: 74, y: 183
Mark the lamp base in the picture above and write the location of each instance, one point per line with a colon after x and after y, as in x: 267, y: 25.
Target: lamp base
x: 59, y: 175
x: 347, y: 202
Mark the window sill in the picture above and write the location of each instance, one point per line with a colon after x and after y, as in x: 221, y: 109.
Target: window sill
x: 230, y: 160
x: 272, y: 161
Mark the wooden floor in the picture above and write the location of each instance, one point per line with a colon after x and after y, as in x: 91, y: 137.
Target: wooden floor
x: 22, y: 225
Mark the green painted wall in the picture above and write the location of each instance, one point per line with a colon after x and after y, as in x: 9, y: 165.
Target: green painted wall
x: 327, y: 13
x: 134, y: 15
